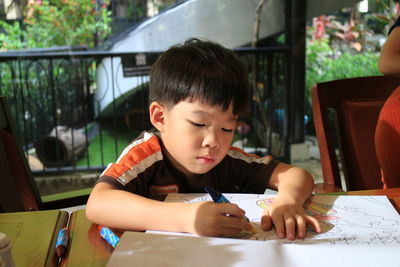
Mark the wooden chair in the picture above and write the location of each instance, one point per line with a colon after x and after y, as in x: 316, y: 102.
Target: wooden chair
x: 18, y: 190
x: 353, y: 106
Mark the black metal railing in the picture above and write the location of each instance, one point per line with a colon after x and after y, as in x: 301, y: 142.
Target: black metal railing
x: 76, y: 111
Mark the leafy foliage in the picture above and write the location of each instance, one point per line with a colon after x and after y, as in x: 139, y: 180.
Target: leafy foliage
x: 325, y: 64
x: 338, y: 50
x: 57, y: 23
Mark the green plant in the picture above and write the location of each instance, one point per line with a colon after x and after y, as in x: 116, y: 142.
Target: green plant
x: 337, y: 47
x: 324, y: 64
x: 12, y: 36
x: 57, y: 23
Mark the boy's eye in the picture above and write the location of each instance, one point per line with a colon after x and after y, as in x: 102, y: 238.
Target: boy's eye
x: 227, y: 130
x: 197, y: 124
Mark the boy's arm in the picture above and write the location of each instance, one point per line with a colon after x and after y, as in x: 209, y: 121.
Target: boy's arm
x: 124, y: 210
x: 389, y: 60
x: 286, y: 212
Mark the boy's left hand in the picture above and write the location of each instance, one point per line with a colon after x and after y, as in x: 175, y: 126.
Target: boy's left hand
x: 288, y: 218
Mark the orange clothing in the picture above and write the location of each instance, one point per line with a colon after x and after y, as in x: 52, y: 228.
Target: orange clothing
x: 387, y: 140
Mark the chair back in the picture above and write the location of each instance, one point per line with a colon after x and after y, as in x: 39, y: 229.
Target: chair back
x: 345, y: 117
x: 18, y: 190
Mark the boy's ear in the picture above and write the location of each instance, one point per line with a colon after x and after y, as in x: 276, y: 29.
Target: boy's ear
x: 157, y: 113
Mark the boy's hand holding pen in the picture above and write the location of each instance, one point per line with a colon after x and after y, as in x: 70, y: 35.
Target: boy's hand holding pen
x: 219, y: 198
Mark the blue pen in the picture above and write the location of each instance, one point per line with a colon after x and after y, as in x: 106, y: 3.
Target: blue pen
x: 62, y: 242
x: 220, y: 198
x: 108, y: 236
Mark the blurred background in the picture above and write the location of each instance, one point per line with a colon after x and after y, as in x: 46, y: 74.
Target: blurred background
x: 75, y: 72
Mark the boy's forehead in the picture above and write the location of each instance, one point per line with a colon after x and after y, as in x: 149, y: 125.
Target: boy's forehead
x: 205, y: 108
x: 208, y: 104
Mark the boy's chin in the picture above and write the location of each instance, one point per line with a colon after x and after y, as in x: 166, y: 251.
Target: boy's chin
x: 200, y: 171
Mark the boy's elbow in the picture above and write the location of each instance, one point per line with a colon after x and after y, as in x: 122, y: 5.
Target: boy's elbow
x: 93, y: 206
x: 95, y: 211
x: 89, y: 214
x: 90, y: 209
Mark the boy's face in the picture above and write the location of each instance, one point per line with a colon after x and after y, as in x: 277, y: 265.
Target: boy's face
x: 197, y: 136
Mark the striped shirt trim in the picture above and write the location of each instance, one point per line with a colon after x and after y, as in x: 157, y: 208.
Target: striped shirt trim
x: 238, y: 153
x: 135, y: 159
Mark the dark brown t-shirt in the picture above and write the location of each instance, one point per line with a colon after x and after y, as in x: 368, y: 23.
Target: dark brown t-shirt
x: 144, y: 170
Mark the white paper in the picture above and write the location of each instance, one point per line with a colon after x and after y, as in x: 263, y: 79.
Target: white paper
x: 141, y: 249
x: 362, y: 220
x: 358, y: 231
x: 154, y: 250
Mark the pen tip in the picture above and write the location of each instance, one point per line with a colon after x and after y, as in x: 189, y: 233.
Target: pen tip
x: 210, y: 190
x: 214, y: 194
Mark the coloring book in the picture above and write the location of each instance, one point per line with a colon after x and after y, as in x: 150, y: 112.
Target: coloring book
x: 358, y: 231
x: 344, y: 220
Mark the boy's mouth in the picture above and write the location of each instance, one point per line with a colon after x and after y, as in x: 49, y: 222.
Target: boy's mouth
x: 206, y: 159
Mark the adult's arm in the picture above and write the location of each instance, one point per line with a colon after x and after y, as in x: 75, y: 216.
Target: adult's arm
x: 389, y: 61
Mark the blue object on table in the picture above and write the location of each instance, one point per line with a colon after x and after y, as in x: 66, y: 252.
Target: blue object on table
x: 62, y: 242
x: 109, y: 236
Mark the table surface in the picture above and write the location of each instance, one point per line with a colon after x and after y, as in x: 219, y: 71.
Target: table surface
x: 33, y: 235
x: 88, y: 248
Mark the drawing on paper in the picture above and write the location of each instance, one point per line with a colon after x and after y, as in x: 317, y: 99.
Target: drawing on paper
x: 344, y: 220
x: 323, y: 212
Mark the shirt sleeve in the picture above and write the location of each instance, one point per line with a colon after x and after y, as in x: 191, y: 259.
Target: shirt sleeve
x: 247, y: 173
x: 111, y: 181
x: 257, y: 176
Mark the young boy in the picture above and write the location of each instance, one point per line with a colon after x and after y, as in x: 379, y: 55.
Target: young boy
x: 197, y: 91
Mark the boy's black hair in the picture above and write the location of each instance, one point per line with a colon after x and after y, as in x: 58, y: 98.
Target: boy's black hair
x: 199, y: 70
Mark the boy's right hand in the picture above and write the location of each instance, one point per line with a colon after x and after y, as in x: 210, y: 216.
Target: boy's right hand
x: 218, y: 219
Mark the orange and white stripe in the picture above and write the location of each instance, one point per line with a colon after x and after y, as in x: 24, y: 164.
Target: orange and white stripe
x: 135, y: 159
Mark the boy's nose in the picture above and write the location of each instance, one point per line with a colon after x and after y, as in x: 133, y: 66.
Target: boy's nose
x: 211, y: 141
